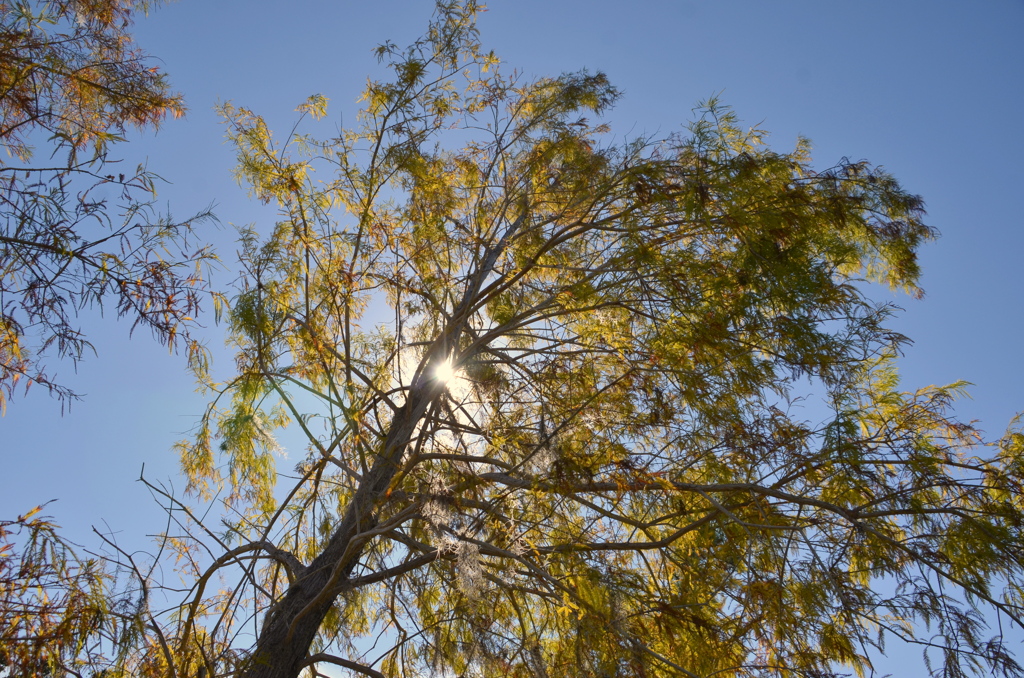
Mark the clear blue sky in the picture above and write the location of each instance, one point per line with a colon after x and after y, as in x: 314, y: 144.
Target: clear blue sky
x: 931, y: 90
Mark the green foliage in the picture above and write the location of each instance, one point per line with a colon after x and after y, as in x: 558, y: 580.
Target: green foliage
x: 620, y: 481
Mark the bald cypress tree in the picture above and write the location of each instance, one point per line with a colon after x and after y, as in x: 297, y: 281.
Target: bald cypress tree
x: 546, y: 378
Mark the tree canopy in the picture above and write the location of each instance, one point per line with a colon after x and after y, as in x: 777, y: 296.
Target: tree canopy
x: 75, y: 228
x: 555, y: 389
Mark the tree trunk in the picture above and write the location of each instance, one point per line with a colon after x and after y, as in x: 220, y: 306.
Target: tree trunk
x: 293, y: 624
x: 291, y: 627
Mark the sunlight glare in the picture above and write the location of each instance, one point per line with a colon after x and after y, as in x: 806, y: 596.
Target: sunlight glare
x: 445, y: 372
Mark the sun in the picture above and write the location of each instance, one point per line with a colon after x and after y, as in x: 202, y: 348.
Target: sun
x: 446, y: 372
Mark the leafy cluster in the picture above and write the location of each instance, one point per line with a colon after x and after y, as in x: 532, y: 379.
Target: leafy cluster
x: 53, y: 604
x: 71, y: 70
x: 74, y: 229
